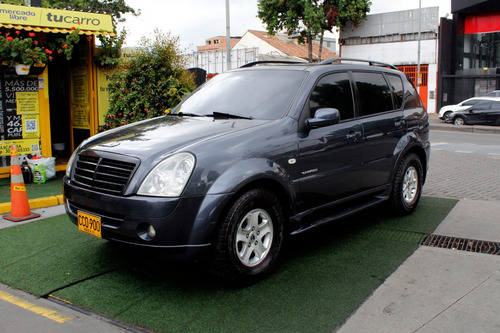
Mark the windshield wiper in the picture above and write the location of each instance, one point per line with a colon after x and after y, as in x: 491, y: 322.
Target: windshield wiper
x: 216, y: 114
x: 184, y: 114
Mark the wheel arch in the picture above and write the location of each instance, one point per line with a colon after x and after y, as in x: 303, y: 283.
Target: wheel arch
x: 418, y: 149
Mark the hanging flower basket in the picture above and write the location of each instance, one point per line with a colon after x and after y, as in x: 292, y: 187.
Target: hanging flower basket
x: 22, y: 69
x: 37, y: 69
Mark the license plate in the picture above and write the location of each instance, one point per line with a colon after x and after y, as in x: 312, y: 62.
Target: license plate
x: 90, y: 224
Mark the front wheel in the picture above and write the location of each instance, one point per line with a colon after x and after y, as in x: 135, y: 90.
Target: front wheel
x: 407, y: 186
x: 249, y: 239
x: 459, y: 121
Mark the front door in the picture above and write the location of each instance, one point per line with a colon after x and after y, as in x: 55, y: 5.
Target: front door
x: 329, y: 162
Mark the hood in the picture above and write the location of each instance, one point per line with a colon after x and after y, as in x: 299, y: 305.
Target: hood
x: 165, y: 134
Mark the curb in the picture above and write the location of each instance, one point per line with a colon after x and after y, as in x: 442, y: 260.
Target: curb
x: 5, y: 207
x: 465, y: 128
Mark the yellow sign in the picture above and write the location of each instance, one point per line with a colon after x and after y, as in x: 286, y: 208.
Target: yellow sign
x: 55, y: 18
x: 31, y: 128
x: 27, y: 102
x: 30, y: 146
x: 80, y: 116
x: 102, y: 96
x: 20, y: 188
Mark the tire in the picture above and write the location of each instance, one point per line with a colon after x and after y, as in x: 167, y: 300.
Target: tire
x: 249, y: 239
x: 459, y: 121
x: 446, y: 116
x: 407, y: 186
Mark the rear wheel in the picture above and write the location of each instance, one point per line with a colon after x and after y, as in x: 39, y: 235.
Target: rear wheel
x: 407, y: 186
x: 249, y: 239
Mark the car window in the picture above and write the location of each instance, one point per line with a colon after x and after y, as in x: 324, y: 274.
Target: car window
x: 333, y: 91
x: 397, y: 88
x: 260, y: 94
x: 495, y: 106
x: 412, y: 100
x: 472, y: 102
x: 374, y: 93
x: 482, y: 106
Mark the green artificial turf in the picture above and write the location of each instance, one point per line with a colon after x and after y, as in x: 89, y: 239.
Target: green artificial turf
x: 323, y: 276
x: 50, y: 188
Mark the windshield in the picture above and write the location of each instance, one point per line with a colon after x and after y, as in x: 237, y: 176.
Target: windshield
x: 256, y: 94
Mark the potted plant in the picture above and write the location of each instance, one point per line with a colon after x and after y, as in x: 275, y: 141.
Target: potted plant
x: 23, y: 53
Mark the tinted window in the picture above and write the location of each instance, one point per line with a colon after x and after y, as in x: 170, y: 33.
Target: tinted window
x: 482, y: 106
x: 411, y: 96
x: 472, y: 102
x: 261, y: 94
x: 374, y: 93
x: 397, y: 88
x: 333, y: 91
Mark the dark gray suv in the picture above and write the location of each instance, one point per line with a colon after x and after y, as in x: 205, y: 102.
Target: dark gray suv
x: 253, y: 155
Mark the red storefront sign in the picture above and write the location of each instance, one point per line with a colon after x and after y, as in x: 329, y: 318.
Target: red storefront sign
x: 481, y: 23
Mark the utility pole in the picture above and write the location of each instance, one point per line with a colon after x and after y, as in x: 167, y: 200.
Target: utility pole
x: 228, y: 37
x: 419, y: 77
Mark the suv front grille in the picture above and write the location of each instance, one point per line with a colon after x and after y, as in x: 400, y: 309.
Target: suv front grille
x: 103, y: 174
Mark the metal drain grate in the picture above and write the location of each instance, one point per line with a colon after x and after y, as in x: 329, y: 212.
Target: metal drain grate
x: 462, y: 244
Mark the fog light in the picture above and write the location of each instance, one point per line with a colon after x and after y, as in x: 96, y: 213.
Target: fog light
x: 151, y: 231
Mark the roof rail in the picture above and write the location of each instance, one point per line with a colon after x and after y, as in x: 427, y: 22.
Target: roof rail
x: 255, y: 63
x: 370, y: 62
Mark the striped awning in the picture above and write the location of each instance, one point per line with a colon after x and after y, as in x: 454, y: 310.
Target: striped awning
x: 54, y: 20
x: 54, y: 30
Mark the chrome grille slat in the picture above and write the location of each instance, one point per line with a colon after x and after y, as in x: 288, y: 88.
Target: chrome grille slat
x: 103, y: 174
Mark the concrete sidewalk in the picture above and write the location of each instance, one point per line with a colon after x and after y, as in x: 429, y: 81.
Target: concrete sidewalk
x: 441, y: 290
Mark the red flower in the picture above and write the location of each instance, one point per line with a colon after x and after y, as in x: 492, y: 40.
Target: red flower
x: 48, y: 51
x: 18, y: 32
x: 31, y: 34
x: 65, y: 46
x: 89, y: 38
x: 73, y: 28
x: 10, y: 38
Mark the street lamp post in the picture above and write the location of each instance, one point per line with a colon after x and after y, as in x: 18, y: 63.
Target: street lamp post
x: 419, y: 78
x: 228, y: 37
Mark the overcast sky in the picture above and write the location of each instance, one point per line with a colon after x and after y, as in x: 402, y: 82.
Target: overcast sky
x: 196, y: 20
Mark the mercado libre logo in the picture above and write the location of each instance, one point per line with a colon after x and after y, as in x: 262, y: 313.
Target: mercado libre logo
x: 49, y: 17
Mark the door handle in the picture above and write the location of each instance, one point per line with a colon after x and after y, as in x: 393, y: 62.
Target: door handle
x: 353, y: 135
x: 400, y: 123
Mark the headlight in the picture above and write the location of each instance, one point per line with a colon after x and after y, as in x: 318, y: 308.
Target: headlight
x: 169, y: 177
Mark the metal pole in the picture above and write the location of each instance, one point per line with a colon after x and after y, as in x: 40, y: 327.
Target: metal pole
x: 228, y: 37
x: 419, y: 79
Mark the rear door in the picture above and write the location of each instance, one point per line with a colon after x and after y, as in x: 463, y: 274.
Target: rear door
x: 493, y: 117
x: 383, y: 124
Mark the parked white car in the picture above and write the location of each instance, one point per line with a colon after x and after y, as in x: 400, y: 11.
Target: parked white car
x: 446, y: 110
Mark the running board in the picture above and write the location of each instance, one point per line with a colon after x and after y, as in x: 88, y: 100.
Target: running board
x: 342, y: 214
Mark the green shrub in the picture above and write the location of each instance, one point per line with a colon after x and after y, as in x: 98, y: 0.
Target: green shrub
x: 152, y: 80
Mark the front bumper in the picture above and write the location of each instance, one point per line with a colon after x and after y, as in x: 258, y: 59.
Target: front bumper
x: 184, y: 225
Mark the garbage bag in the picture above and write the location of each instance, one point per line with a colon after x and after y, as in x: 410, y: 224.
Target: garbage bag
x: 48, y: 162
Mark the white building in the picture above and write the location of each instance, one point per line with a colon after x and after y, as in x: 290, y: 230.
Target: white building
x: 253, y: 46
x: 393, y: 38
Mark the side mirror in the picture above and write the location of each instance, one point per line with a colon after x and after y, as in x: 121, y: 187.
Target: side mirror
x: 324, y: 117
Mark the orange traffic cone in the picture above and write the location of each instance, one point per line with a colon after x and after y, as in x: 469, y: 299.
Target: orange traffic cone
x: 20, y: 207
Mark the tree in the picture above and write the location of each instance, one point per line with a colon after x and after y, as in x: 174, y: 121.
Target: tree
x: 152, y: 81
x: 115, y: 8
x: 310, y: 18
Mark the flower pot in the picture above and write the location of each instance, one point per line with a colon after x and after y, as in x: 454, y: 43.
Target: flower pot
x: 22, y: 69
x: 37, y: 69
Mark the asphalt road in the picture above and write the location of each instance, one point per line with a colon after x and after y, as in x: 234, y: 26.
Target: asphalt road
x: 464, y: 165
